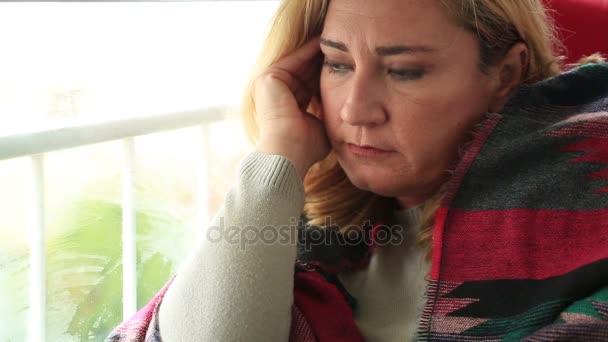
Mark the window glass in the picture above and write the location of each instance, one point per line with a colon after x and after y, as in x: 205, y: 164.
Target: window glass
x: 64, y: 62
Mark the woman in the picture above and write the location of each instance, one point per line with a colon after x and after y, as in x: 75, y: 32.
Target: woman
x: 385, y: 114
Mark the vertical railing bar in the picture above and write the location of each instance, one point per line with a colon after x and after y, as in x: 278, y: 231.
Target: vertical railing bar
x: 202, y: 173
x: 37, y: 276
x: 129, y: 266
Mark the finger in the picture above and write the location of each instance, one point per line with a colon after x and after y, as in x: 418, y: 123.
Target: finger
x: 309, y: 86
x: 303, y: 97
x: 311, y: 82
x: 301, y: 57
x: 305, y: 90
x: 293, y: 82
x: 301, y: 66
x: 312, y: 72
x: 309, y: 76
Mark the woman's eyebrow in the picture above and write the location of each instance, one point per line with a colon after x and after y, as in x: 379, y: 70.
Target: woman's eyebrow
x: 402, y: 49
x: 383, y: 50
x: 333, y: 44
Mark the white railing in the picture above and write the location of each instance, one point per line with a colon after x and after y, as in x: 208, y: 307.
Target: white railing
x: 36, y: 143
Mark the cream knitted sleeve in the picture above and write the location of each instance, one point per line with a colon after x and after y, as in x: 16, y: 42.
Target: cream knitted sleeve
x: 236, y: 285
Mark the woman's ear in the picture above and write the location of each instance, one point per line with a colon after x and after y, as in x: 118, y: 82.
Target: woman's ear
x: 509, y: 74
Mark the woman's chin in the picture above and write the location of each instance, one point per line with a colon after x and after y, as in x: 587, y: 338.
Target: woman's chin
x: 387, y: 183
x: 380, y: 184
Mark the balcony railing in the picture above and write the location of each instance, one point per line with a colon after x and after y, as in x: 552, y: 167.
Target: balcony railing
x: 36, y: 143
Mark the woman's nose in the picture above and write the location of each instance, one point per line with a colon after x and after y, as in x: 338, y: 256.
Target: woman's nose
x: 363, y: 105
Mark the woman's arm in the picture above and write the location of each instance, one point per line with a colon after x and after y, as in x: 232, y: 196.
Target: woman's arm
x: 234, y: 286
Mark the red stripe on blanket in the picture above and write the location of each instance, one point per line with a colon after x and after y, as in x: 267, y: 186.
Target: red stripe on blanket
x: 440, y: 219
x: 521, y: 243
x: 325, y: 309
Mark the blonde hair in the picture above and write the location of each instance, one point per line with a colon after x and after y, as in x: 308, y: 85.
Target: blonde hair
x: 499, y: 24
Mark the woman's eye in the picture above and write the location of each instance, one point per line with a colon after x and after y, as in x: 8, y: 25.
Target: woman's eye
x: 336, y: 67
x: 406, y: 74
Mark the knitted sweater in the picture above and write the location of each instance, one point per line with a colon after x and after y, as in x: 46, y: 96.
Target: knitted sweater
x: 390, y: 290
x: 520, y: 246
x: 200, y: 304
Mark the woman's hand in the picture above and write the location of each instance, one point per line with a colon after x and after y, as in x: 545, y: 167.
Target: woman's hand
x: 281, y: 95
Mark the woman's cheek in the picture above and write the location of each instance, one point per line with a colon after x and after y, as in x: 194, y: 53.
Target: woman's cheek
x: 331, y: 115
x: 331, y: 127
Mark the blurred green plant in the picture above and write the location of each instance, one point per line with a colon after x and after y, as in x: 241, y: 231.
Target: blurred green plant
x: 85, y: 267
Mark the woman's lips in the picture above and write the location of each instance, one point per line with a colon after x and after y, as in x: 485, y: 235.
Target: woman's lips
x: 368, y: 151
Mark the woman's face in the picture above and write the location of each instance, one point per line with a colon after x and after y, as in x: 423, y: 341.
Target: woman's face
x: 399, y: 76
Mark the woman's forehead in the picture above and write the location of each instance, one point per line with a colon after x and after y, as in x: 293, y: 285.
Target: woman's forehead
x: 389, y: 23
x: 386, y: 9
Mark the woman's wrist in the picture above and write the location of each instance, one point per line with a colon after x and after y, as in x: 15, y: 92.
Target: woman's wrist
x: 297, y: 158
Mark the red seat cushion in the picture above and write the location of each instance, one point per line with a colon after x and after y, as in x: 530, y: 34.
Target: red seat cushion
x: 582, y: 26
